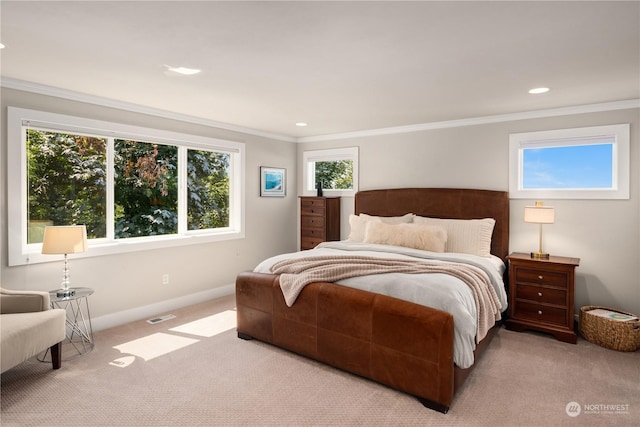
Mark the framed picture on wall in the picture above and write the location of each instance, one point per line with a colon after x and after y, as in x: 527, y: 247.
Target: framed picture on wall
x: 273, y: 182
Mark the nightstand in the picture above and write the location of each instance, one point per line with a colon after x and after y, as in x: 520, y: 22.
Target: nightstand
x: 541, y: 293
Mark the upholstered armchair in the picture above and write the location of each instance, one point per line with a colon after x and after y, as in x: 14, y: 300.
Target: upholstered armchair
x: 28, y: 326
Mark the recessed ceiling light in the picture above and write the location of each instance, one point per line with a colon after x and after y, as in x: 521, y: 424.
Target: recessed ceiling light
x: 301, y: 124
x: 539, y: 90
x: 1, y: 46
x: 182, y: 70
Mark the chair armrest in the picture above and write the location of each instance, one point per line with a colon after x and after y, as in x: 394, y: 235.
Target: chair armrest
x: 23, y: 301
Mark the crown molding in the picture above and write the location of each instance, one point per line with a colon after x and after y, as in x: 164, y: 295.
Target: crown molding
x: 106, y: 102
x: 135, y: 108
x: 564, y: 111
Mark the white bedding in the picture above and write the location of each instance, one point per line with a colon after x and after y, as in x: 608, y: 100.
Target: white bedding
x: 439, y: 291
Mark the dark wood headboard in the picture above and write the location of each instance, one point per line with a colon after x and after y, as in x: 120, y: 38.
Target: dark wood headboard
x: 454, y: 203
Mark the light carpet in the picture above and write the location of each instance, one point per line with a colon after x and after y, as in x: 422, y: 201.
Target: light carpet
x: 193, y: 371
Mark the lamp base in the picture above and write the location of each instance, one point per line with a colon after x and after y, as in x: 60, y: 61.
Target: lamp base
x: 61, y: 293
x: 539, y: 255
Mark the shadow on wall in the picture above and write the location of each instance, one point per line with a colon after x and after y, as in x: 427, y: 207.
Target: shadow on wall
x: 590, y: 290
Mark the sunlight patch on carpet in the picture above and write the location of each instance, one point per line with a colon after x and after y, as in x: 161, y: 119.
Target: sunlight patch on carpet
x: 123, y: 362
x: 210, y: 325
x: 155, y: 345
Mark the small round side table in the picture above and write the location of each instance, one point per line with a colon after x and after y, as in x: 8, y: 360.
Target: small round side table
x: 79, y: 338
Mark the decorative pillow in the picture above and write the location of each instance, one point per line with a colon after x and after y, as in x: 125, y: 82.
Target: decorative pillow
x: 404, y: 219
x: 416, y: 236
x: 467, y: 236
x: 357, y: 223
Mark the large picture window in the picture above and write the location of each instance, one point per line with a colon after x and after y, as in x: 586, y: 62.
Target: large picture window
x: 582, y: 163
x: 141, y: 186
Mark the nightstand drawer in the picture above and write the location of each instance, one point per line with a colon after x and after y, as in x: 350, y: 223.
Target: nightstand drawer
x: 551, y: 278
x: 311, y: 221
x: 540, y: 313
x: 540, y: 294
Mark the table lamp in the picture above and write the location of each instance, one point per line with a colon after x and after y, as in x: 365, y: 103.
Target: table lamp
x: 539, y: 214
x: 64, y: 239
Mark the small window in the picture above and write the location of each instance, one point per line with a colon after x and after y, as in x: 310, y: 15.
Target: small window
x: 583, y: 163
x: 336, y: 170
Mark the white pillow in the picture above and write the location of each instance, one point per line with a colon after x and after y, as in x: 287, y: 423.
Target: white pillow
x: 416, y: 236
x: 357, y: 224
x: 467, y: 236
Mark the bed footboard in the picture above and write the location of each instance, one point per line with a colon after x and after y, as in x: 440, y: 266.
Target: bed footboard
x: 400, y: 344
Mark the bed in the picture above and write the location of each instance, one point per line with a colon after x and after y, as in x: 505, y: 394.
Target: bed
x: 396, y: 342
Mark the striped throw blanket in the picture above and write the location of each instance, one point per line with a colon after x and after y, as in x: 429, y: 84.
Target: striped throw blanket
x: 295, y: 274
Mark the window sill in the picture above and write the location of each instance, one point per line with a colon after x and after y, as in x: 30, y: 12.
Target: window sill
x: 100, y: 248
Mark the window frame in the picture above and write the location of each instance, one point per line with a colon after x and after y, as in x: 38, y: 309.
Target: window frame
x: 620, y: 136
x: 328, y: 155
x: 21, y: 253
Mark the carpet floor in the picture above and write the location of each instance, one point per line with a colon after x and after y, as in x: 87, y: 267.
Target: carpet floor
x: 192, y: 370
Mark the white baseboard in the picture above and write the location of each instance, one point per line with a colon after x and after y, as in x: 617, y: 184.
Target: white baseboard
x: 115, y: 319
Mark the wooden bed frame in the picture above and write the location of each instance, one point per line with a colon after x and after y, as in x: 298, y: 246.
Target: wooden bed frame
x: 404, y: 345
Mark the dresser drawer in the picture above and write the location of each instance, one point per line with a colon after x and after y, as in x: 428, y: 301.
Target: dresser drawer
x: 312, y: 221
x: 312, y: 211
x: 316, y: 233
x: 313, y: 202
x: 540, y: 313
x: 540, y: 294
x: 310, y: 242
x: 551, y: 278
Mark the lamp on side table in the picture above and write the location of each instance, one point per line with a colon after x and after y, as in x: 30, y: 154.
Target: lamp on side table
x: 539, y: 214
x: 64, y: 239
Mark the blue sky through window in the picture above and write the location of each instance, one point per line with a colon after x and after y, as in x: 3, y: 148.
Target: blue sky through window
x: 573, y: 166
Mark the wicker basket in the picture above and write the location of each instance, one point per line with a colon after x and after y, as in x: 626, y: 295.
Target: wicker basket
x: 621, y: 336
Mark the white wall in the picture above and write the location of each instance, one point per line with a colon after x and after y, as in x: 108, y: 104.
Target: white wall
x: 126, y: 283
x: 604, y: 234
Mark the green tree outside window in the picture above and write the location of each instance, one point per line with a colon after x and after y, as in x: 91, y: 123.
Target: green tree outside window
x: 67, y: 184
x: 335, y: 175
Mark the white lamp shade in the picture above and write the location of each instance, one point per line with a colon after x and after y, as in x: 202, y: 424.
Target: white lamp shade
x: 539, y: 214
x: 64, y: 239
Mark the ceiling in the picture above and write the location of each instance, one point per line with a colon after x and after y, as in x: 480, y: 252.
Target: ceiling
x: 338, y: 66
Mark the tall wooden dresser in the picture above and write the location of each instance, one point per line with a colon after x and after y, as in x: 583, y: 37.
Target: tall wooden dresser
x: 319, y: 220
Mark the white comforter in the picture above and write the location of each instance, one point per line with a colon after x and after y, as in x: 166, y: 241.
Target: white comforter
x: 440, y: 291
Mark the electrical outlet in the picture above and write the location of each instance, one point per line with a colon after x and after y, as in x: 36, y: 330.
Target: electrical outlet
x: 165, y: 279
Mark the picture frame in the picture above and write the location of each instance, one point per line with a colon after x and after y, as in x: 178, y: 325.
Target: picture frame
x: 273, y: 182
